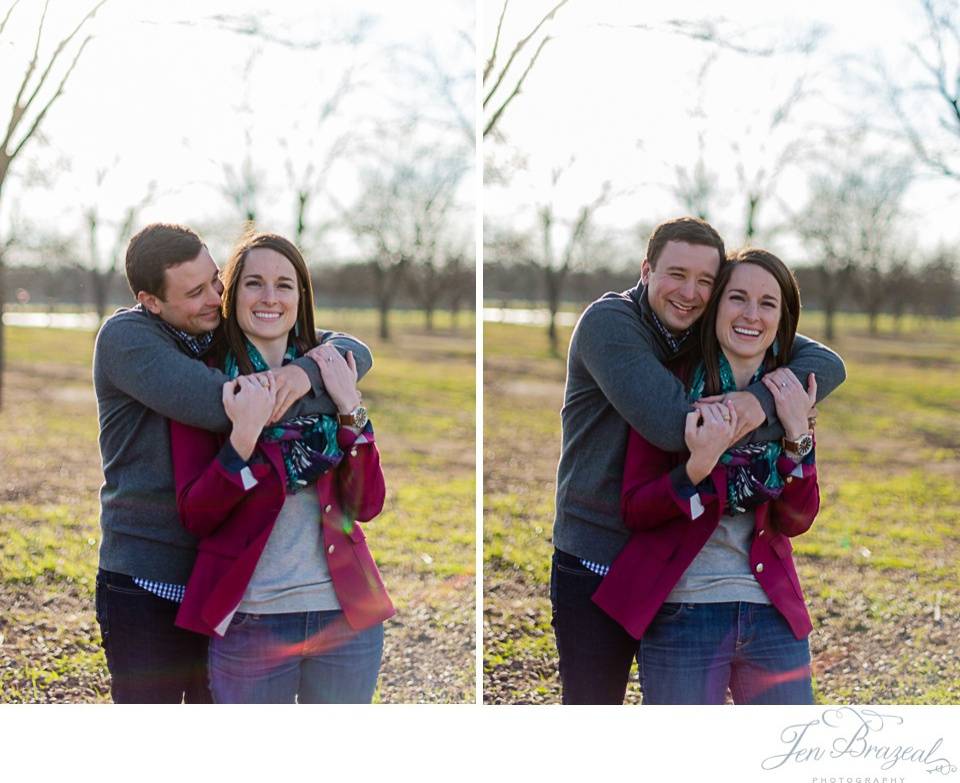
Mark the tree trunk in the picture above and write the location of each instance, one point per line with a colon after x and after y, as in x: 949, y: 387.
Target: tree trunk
x: 553, y: 285
x: 384, y: 309
x: 428, y: 316
x: 828, y: 308
x: 454, y: 313
x: 872, y: 321
x: 101, y: 291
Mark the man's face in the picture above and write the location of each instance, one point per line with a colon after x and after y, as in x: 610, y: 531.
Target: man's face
x: 191, y: 299
x: 680, y: 285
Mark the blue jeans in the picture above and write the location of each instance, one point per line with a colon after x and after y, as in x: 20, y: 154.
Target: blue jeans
x: 151, y: 661
x: 310, y: 657
x: 691, y: 653
x: 595, y: 652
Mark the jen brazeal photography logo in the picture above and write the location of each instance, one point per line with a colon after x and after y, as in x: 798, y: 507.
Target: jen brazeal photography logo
x: 869, y: 744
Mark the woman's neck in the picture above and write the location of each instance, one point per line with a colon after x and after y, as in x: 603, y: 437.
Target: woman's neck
x: 743, y: 369
x: 272, y: 351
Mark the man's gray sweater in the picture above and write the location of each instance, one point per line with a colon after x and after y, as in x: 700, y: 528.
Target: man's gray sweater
x: 142, y: 378
x: 616, y: 380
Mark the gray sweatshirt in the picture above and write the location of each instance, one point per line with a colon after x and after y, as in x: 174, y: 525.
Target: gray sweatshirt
x: 142, y: 378
x: 616, y: 380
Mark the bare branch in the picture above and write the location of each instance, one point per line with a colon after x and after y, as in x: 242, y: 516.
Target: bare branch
x: 496, y: 43
x: 519, y: 47
x: 516, y: 90
x: 7, y: 15
x: 57, y: 52
x: 42, y: 113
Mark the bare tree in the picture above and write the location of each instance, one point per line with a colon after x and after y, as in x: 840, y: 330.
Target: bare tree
x: 103, y: 267
x: 555, y: 263
x: 460, y: 280
x: 39, y: 89
x: 929, y: 110
x: 696, y: 186
x: 774, y: 148
x: 311, y: 158
x: 501, y: 83
x: 401, y: 213
x: 850, y: 224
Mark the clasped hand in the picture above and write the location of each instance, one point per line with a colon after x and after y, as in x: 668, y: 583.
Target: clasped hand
x: 248, y: 401
x: 339, y: 376
x: 794, y: 403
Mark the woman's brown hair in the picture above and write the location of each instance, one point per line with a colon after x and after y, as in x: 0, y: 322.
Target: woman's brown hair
x: 789, y: 314
x: 231, y: 337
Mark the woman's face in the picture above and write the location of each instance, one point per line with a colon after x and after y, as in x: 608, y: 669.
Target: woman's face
x: 267, y: 295
x: 749, y: 313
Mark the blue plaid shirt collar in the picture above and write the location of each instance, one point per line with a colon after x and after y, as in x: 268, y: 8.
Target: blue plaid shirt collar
x: 673, y: 340
x: 194, y: 344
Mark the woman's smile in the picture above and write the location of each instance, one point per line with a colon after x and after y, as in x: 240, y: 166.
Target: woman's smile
x: 749, y: 314
x: 267, y: 297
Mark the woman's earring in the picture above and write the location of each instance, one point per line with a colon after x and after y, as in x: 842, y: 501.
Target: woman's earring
x: 296, y: 329
x: 775, y: 348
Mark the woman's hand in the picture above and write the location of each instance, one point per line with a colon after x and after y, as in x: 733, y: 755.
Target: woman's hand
x: 709, y: 432
x: 339, y: 376
x: 794, y: 403
x: 248, y: 402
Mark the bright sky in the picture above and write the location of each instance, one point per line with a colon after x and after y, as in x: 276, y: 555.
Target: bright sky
x: 165, y: 94
x: 625, y: 104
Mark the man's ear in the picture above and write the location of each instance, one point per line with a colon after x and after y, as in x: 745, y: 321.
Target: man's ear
x: 149, y: 301
x: 644, y: 271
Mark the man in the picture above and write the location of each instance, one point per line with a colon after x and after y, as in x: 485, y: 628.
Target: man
x: 147, y: 368
x: 616, y: 380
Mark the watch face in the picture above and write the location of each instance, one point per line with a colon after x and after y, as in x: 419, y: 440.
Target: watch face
x: 805, y: 445
x: 360, y: 417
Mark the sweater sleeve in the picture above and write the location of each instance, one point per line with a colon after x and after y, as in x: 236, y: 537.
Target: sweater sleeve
x: 145, y: 363
x: 319, y: 401
x: 808, y: 357
x: 614, y: 347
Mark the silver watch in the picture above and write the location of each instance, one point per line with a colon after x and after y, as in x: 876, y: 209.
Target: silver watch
x: 801, y: 446
x: 356, y: 418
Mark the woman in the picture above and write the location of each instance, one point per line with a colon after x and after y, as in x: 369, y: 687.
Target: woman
x: 707, y: 581
x: 283, y: 581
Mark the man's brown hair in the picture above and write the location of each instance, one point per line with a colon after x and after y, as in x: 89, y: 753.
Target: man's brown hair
x: 153, y: 250
x: 691, y: 230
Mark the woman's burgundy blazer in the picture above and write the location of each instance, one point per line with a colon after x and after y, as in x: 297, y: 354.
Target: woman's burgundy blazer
x: 233, y: 518
x: 669, y: 530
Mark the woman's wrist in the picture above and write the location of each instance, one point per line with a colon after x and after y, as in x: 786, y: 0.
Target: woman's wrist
x: 794, y: 433
x: 244, y: 441
x: 698, y: 469
x: 348, y: 406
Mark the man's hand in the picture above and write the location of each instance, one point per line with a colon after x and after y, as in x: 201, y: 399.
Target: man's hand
x: 292, y: 383
x: 750, y: 413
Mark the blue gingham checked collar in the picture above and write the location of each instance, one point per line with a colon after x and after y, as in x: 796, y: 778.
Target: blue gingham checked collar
x: 674, y: 341
x: 194, y: 344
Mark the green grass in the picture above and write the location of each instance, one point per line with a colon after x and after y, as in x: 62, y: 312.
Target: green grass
x: 884, y: 546
x: 421, y: 396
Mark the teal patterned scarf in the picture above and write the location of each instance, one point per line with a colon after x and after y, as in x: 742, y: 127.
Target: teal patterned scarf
x: 308, y: 443
x: 752, y: 475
